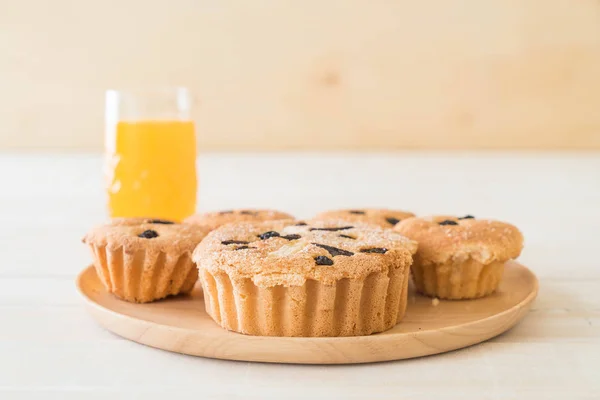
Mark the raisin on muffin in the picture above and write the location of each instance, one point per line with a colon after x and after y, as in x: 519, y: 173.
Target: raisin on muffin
x: 142, y: 260
x: 290, y: 278
x: 460, y: 257
x: 215, y: 219
x: 382, y: 217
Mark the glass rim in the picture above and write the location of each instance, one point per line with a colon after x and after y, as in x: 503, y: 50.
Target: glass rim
x: 148, y: 90
x: 157, y: 102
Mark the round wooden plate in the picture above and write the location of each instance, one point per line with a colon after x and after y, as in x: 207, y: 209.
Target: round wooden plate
x: 180, y: 324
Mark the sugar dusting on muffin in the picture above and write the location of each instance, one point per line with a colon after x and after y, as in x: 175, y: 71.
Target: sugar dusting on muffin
x: 382, y: 217
x: 215, y: 219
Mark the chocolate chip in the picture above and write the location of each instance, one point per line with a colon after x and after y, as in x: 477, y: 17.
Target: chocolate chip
x: 149, y: 234
x: 291, y: 237
x: 246, y: 212
x: 448, y: 222
x: 301, y: 223
x: 346, y: 236
x: 341, y: 228
x: 357, y: 212
x: 392, y: 220
x: 467, y: 217
x: 334, y: 251
x: 269, y: 234
x: 160, y: 221
x: 378, y: 250
x: 242, y: 248
x: 226, y: 242
x: 322, y: 260
x: 226, y: 212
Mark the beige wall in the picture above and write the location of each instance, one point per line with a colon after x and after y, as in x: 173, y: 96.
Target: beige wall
x: 310, y: 74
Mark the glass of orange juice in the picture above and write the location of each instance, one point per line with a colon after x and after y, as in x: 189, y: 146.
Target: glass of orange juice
x: 150, y: 146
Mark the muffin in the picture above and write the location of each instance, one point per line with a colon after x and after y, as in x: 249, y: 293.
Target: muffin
x: 287, y: 278
x: 460, y: 258
x: 142, y: 260
x: 215, y: 219
x: 140, y: 221
x: 382, y: 217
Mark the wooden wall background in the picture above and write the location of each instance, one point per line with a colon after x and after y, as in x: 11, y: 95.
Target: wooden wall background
x: 311, y: 74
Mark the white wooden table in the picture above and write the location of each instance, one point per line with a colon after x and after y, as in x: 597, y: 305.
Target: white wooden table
x: 50, y: 348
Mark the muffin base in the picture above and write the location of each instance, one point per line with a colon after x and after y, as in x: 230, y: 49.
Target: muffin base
x: 352, y: 307
x: 141, y: 276
x: 457, y: 280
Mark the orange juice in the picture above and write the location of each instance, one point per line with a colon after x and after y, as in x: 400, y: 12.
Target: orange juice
x: 151, y: 169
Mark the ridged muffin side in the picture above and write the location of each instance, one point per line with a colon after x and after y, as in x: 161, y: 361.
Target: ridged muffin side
x: 463, y: 280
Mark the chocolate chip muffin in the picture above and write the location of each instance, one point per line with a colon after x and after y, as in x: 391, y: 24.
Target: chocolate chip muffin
x: 460, y: 258
x: 382, y: 217
x: 142, y: 260
x: 215, y: 219
x: 288, y: 278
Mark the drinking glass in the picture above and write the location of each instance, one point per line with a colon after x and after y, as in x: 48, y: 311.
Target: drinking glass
x: 150, y: 144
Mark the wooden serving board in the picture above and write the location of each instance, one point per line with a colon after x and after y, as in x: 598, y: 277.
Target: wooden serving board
x: 180, y: 324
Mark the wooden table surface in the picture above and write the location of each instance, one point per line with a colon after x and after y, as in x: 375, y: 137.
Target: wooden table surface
x: 50, y: 348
